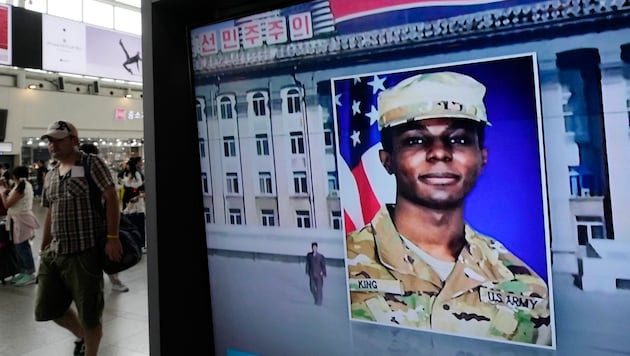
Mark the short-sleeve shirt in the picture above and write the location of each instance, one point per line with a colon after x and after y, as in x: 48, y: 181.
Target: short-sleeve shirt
x: 490, y: 293
x: 76, y: 221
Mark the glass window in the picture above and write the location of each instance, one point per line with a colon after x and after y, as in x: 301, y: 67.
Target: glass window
x: 589, y: 227
x: 293, y: 101
x: 232, y: 182
x: 262, y: 145
x: 299, y: 182
x: 268, y: 217
x: 328, y: 138
x: 225, y: 105
x: 258, y: 103
x: 332, y: 182
x: 335, y: 217
x: 98, y: 13
x: 70, y: 9
x: 235, y: 217
x: 204, y: 182
x: 303, y: 219
x: 229, y: 146
x: 127, y: 20
x: 208, y: 214
x: 199, y: 113
x: 297, y: 142
x: 202, y: 147
x: 264, y: 181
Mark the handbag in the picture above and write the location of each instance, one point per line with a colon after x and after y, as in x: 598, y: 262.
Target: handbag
x: 128, y: 233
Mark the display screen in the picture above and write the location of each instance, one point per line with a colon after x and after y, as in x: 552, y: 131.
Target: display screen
x: 396, y: 177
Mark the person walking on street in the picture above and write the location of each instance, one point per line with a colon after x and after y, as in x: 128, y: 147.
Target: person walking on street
x: 70, y: 268
x: 316, y: 271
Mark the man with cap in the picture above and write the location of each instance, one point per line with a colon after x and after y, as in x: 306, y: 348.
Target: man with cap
x: 70, y: 263
x: 418, y: 264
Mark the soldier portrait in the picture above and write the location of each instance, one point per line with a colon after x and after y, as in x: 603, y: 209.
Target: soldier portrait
x: 427, y: 258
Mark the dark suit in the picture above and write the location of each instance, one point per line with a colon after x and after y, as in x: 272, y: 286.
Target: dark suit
x: 316, y: 270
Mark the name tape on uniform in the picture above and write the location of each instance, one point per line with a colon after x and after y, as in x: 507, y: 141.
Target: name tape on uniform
x: 494, y: 296
x: 375, y: 285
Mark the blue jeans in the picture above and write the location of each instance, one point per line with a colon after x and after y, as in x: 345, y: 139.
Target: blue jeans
x: 25, y: 257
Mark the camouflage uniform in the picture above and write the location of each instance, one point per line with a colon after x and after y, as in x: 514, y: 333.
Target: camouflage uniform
x: 490, y: 293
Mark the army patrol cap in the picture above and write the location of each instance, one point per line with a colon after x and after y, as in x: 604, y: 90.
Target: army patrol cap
x: 431, y: 96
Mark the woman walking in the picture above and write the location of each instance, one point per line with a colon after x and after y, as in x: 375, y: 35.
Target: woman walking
x: 21, y: 222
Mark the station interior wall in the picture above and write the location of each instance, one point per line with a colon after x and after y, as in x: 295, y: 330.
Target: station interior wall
x: 30, y: 111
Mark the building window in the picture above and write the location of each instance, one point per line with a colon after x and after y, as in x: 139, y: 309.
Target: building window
x: 299, y: 183
x: 303, y: 219
x: 258, y: 104
x: 229, y: 146
x: 199, y: 112
x: 293, y: 101
x: 329, y: 140
x: 335, y: 219
x: 232, y: 183
x: 225, y: 106
x: 204, y: 182
x: 264, y: 180
x: 202, y: 147
x: 268, y: 217
x: 297, y: 142
x: 588, y: 228
x: 208, y: 215
x: 262, y: 144
x: 333, y: 185
x: 580, y: 181
x: 235, y: 217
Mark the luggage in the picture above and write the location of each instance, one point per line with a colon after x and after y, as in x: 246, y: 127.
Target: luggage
x: 137, y: 219
x: 8, y: 258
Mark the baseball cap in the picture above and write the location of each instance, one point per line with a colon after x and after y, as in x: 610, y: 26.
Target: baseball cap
x: 60, y: 129
x: 431, y: 96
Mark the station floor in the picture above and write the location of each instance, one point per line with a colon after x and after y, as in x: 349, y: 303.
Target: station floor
x: 125, y: 319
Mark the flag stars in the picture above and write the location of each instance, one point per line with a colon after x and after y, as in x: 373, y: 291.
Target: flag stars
x: 355, y: 138
x: 338, y: 99
x: 355, y: 107
x: 373, y: 115
x: 357, y: 80
x: 376, y: 84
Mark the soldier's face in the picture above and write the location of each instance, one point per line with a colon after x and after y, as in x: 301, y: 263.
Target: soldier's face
x: 436, y: 162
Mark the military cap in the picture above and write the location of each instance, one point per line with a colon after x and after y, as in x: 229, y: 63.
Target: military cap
x: 430, y: 96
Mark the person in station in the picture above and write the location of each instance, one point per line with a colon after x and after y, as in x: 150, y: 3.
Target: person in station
x: 22, y: 223
x: 70, y: 269
x: 114, y: 278
x: 418, y: 263
x: 316, y: 271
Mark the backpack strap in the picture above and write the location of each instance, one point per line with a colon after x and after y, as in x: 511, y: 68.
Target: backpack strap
x: 93, y: 191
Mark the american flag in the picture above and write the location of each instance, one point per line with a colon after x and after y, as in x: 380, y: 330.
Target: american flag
x: 363, y: 182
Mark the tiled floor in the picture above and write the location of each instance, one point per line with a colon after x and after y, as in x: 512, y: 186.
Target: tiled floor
x: 125, y: 319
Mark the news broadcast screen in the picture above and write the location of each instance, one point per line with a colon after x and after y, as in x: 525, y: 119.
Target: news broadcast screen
x: 398, y: 177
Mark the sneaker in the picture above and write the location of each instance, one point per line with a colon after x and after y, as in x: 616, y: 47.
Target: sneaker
x: 79, y: 348
x: 26, y: 280
x: 13, y: 279
x: 119, y: 286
